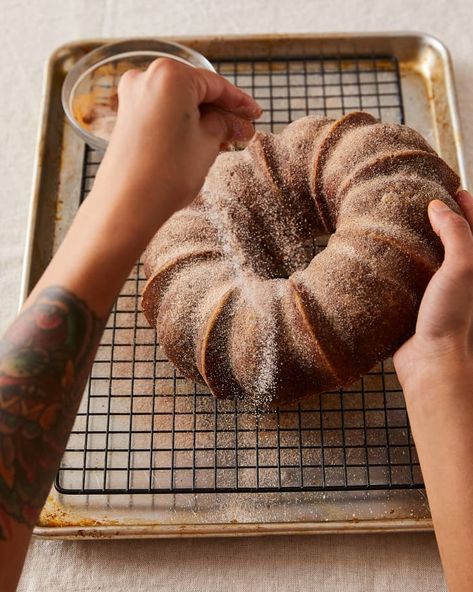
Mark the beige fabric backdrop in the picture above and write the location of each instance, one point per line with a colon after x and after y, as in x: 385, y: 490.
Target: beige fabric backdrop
x: 29, y: 32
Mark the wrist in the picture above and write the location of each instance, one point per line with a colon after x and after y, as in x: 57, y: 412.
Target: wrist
x: 424, y: 361
x: 125, y: 218
x: 443, y: 377
x: 149, y: 190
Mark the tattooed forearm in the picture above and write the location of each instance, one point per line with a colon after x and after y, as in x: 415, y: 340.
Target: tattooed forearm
x: 45, y: 358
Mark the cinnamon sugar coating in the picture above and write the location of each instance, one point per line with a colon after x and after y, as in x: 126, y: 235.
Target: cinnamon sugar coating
x: 239, y: 294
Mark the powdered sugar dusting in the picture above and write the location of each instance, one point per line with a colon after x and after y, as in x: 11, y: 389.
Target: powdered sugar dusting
x: 253, y: 293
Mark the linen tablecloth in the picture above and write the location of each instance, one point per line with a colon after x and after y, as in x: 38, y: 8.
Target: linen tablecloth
x: 29, y: 32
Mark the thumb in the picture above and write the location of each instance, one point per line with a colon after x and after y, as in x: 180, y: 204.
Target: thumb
x: 223, y: 126
x: 455, y: 234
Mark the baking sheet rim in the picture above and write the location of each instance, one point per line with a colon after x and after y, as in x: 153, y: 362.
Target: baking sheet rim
x: 157, y: 530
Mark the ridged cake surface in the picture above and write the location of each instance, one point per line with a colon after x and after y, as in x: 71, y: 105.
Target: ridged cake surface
x: 244, y: 301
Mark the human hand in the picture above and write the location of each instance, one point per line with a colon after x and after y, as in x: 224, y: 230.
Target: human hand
x: 172, y: 121
x: 442, y: 346
x: 435, y: 368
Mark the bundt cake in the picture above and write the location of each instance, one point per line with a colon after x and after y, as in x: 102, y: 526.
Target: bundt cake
x: 239, y: 294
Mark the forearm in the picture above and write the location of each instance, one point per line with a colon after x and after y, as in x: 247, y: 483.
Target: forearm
x: 171, y: 121
x: 441, y: 416
x: 45, y: 358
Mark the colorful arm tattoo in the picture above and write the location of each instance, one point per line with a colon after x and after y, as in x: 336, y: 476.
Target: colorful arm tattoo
x: 45, y: 358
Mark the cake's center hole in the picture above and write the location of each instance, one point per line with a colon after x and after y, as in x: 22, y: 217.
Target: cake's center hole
x: 298, y: 257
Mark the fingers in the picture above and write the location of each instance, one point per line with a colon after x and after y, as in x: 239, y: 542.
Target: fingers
x: 465, y: 201
x: 455, y: 234
x: 214, y: 89
x: 209, y: 87
x: 127, y: 77
x: 225, y: 127
x: 126, y: 82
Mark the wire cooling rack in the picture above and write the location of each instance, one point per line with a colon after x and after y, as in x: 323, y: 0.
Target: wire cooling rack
x: 142, y: 428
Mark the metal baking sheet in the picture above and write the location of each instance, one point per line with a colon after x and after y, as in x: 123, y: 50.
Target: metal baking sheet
x: 422, y: 94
